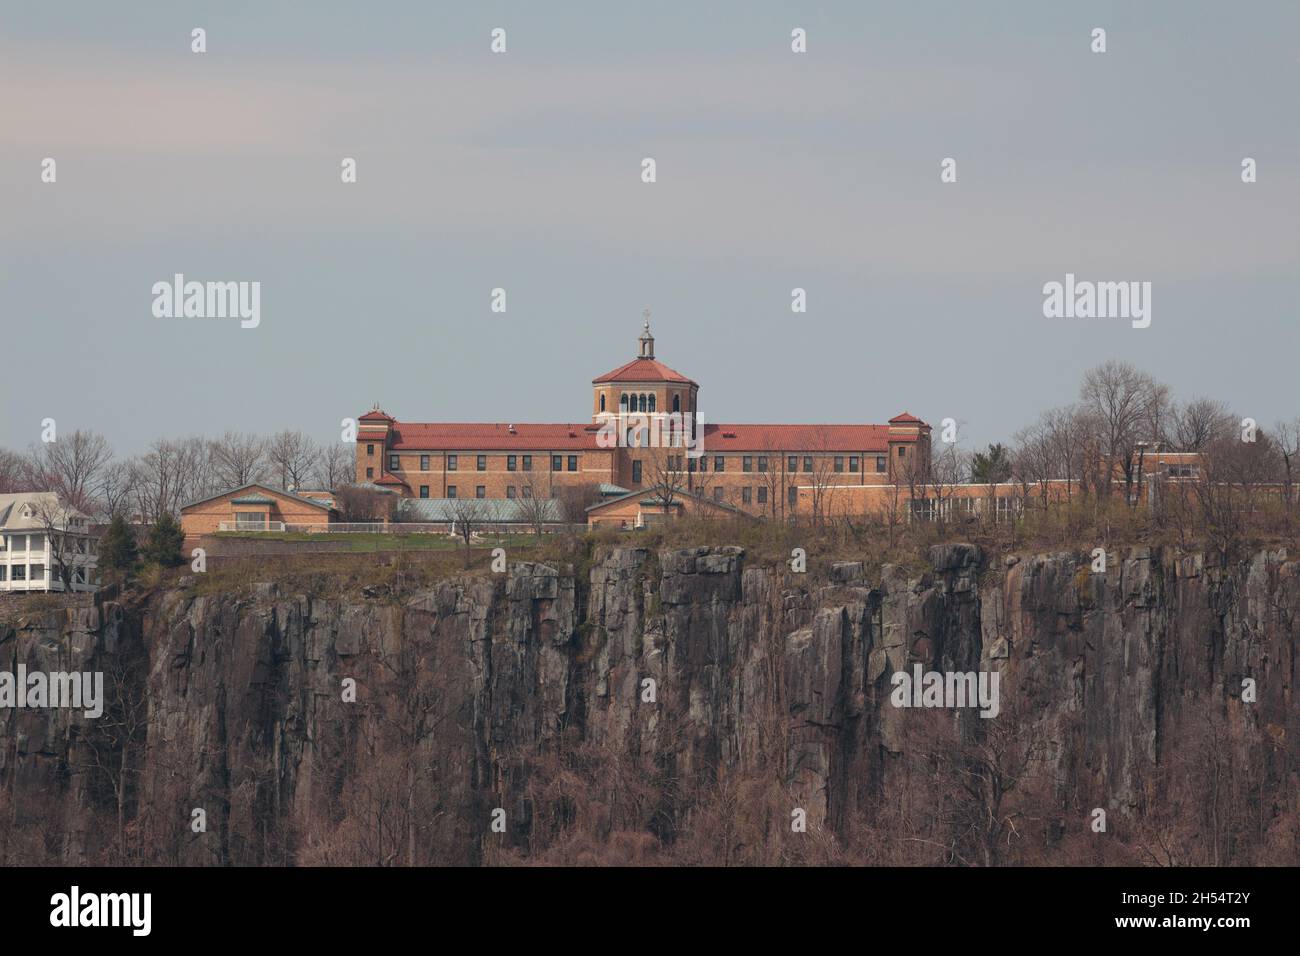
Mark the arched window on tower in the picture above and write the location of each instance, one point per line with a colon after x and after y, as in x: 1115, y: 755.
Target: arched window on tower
x: 652, y: 401
x: 677, y: 403
x: 602, y: 401
x: 622, y: 402
x: 642, y: 407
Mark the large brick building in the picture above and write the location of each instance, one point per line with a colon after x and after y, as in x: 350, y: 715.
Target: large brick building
x: 643, y: 432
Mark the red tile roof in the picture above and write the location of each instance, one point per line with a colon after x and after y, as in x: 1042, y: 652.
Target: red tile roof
x: 796, y: 438
x: 376, y: 414
x: 906, y: 419
x: 643, y: 370
x: 489, y: 436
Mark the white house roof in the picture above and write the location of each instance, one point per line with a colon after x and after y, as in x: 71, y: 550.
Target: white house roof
x: 22, y: 511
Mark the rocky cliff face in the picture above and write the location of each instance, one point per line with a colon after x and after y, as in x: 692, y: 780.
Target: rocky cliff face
x: 677, y: 706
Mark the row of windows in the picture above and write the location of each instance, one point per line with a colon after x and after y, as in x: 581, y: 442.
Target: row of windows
x: 513, y: 463
x: 748, y: 462
x: 639, y: 402
x: 480, y: 491
x: 747, y: 495
x: 35, y: 573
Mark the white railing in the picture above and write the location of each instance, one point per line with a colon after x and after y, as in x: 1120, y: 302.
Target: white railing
x: 425, y: 527
x: 248, y: 526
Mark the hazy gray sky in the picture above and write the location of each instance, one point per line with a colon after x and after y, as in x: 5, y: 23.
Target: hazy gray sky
x: 522, y: 171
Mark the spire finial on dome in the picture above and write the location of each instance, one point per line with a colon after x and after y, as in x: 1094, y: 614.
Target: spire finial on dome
x: 647, y: 340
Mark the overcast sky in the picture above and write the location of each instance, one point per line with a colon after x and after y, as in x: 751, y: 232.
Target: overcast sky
x: 523, y: 171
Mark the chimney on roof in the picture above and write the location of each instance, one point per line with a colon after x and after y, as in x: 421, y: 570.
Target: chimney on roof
x: 647, y: 340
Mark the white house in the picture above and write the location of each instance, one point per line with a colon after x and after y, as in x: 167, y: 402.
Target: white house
x: 40, y: 537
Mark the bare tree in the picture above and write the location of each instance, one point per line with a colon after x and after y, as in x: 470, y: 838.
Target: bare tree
x: 950, y: 466
x: 157, y: 481
x: 198, y: 475
x: 115, y: 492
x: 13, y: 472
x: 1287, y: 436
x: 239, y: 459
x: 771, y: 468
x: 1199, y: 423
x: 1125, y: 404
x: 666, y: 468
x: 534, y: 508
x: 359, y: 505
x: 1034, y: 460
x: 823, y: 479
x: 293, y: 456
x: 71, y: 466
x: 171, y: 474
x: 1228, y: 487
x: 574, y: 500
x: 467, y: 514
x: 56, y: 516
x: 336, y: 465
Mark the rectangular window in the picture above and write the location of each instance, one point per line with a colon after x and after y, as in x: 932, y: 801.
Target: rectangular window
x: 394, y: 463
x: 528, y: 491
x: 719, y: 463
x: 762, y: 463
x: 762, y: 494
x: 451, y: 462
x: 636, y: 472
x: 807, y: 464
x: 690, y: 465
x: 839, y: 462
x: 510, y: 491
x: 370, y: 449
x: 557, y: 463
x: 250, y: 520
x: 480, y: 491
x: 717, y: 494
x: 747, y: 463
x: 370, y: 472
x: 747, y: 494
x: 573, y: 463
x: 451, y: 491
x: 704, y: 463
x: 881, y: 463
x: 4, y: 572
x: 901, y: 451
x: 792, y: 463
x: 511, y: 462
x: 482, y: 462
x: 20, y: 572
x: 528, y: 462
x: 792, y: 496
x: 853, y: 462
x: 424, y: 491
